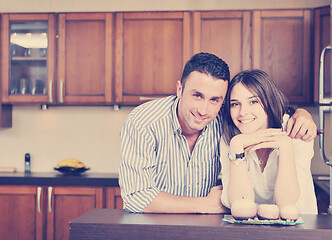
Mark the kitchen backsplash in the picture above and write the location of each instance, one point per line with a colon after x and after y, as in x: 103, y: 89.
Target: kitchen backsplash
x: 90, y: 134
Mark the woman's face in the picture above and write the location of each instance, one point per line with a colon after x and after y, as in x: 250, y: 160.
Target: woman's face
x: 246, y: 110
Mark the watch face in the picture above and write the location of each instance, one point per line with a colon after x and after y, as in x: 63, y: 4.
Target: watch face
x: 231, y: 156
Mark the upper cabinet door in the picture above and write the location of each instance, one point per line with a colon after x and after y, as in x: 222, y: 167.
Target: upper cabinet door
x: 85, y: 58
x: 322, y: 39
x: 281, y: 47
x: 28, y: 49
x: 152, y: 48
x: 225, y: 34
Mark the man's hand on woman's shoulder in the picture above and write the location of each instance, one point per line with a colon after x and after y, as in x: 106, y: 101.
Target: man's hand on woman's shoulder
x: 301, y: 125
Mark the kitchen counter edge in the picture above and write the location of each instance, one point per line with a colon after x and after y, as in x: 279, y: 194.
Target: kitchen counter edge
x: 59, y: 179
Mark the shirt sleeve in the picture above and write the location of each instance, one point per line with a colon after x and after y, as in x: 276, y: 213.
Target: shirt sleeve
x: 137, y: 161
x: 303, y: 152
x: 224, y: 149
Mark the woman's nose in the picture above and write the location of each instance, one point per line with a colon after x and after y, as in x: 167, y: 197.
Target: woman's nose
x: 243, y: 110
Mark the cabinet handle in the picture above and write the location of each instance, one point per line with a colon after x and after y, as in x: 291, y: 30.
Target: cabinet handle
x: 50, y: 90
x: 50, y: 199
x: 38, y: 198
x: 142, y: 98
x: 61, y: 90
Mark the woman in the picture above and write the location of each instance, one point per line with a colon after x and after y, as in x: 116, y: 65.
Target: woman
x: 263, y: 164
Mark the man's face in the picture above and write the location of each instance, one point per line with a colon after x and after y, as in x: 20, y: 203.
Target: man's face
x: 199, y: 101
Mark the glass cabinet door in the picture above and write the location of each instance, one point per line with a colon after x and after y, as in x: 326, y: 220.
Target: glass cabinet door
x: 29, y: 54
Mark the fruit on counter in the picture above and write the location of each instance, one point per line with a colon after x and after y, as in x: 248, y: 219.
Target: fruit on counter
x: 289, y: 212
x: 268, y: 211
x: 71, y: 162
x: 243, y: 209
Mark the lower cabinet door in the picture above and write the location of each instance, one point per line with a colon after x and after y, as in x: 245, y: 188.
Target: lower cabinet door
x: 67, y: 203
x: 21, y: 213
x: 113, y: 198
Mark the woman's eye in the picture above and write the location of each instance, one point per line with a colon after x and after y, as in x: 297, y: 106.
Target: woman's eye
x: 234, y: 104
x: 254, y: 102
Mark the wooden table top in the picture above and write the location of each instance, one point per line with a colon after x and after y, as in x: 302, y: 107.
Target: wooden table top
x: 120, y: 224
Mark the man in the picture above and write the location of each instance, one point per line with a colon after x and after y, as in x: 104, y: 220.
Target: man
x: 170, y: 147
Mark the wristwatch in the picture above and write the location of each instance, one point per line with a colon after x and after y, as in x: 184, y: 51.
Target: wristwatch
x: 236, y: 158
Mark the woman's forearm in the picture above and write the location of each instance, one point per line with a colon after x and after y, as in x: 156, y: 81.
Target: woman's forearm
x: 287, y: 190
x: 239, y: 185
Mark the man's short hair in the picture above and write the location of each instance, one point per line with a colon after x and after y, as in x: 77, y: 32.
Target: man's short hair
x: 206, y: 63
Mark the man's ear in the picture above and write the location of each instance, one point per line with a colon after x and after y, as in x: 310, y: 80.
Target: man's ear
x: 179, y: 89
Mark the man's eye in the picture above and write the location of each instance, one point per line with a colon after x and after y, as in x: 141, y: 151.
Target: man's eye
x: 197, y: 96
x: 215, y: 100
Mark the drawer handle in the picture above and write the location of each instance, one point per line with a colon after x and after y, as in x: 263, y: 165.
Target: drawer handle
x: 61, y: 90
x: 50, y: 199
x: 38, y: 198
x: 50, y: 90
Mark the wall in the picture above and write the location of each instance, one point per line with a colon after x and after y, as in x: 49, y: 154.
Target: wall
x: 91, y: 134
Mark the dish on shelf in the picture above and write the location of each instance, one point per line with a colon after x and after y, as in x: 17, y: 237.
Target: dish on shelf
x: 71, y: 170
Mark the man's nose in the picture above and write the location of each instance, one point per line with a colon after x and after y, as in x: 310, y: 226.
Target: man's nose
x: 203, y: 108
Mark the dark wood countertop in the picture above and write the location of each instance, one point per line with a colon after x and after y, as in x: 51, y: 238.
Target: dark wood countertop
x: 58, y: 179
x: 118, y: 224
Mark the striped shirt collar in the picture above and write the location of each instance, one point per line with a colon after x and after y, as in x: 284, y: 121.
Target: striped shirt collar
x: 175, y: 122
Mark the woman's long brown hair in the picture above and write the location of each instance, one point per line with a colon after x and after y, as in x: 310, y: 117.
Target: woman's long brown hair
x: 259, y: 83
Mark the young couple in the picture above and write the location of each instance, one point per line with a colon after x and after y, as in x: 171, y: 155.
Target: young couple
x: 173, y: 149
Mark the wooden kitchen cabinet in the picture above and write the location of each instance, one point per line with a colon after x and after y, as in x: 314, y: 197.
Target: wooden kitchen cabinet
x: 322, y: 39
x: 67, y: 203
x: 151, y: 50
x: 113, y: 198
x: 281, y: 41
x: 31, y: 212
x: 84, y: 73
x: 22, y: 213
x: 27, y: 58
x: 83, y: 58
x: 225, y: 34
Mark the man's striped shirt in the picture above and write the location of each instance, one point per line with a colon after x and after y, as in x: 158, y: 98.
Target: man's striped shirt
x: 155, y: 156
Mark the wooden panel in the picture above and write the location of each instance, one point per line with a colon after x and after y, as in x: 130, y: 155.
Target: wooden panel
x: 67, y: 204
x: 6, y: 116
x: 20, y: 216
x: 85, y: 55
x: 151, y: 51
x: 281, y: 47
x: 225, y: 34
x: 113, y: 198
x: 85, y: 42
x: 322, y: 39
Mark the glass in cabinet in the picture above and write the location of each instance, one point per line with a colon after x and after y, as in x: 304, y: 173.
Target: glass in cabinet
x: 28, y: 58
